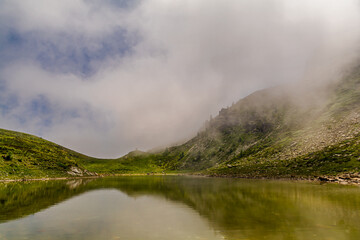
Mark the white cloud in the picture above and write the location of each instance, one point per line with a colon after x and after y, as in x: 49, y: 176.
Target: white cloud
x: 193, y: 57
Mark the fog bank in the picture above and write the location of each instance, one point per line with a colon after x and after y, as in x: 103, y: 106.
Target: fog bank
x: 106, y: 77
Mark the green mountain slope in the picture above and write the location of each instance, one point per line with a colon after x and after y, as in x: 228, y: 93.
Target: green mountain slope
x: 304, y: 140
x: 24, y: 155
x: 27, y: 156
x: 279, y: 132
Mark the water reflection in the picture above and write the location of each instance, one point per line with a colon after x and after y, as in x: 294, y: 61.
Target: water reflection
x: 180, y: 207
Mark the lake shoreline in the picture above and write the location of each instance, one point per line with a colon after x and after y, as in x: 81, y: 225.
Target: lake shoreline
x: 88, y: 177
x: 342, y: 179
x: 46, y: 179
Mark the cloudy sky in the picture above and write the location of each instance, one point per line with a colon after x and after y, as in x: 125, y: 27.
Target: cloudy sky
x: 104, y: 77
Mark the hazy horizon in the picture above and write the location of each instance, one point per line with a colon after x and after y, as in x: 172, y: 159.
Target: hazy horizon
x: 107, y: 77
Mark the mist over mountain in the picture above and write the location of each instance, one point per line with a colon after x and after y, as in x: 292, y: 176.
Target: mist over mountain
x: 106, y: 77
x: 284, y: 131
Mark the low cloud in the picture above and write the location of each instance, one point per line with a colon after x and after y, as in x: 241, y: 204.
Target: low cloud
x: 104, y: 79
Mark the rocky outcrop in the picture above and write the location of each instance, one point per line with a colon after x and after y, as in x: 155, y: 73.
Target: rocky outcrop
x: 75, y: 171
x: 347, y: 178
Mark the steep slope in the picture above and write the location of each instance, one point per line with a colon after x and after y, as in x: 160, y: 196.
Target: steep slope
x: 282, y: 131
x: 326, y: 141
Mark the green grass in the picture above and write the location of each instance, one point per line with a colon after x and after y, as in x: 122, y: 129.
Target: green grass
x: 23, y: 155
x: 27, y: 156
x: 343, y: 157
x: 134, y: 162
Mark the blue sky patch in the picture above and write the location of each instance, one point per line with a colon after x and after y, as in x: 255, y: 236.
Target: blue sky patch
x: 40, y: 106
x: 125, y: 4
x: 65, y: 53
x: 14, y: 38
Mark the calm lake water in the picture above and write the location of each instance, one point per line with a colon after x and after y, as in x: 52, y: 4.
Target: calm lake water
x: 177, y: 207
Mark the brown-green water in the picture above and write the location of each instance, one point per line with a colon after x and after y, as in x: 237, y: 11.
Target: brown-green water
x: 175, y: 207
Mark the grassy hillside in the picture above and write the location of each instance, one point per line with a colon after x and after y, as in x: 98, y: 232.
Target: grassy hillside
x: 26, y: 156
x: 305, y: 141
x: 134, y: 162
